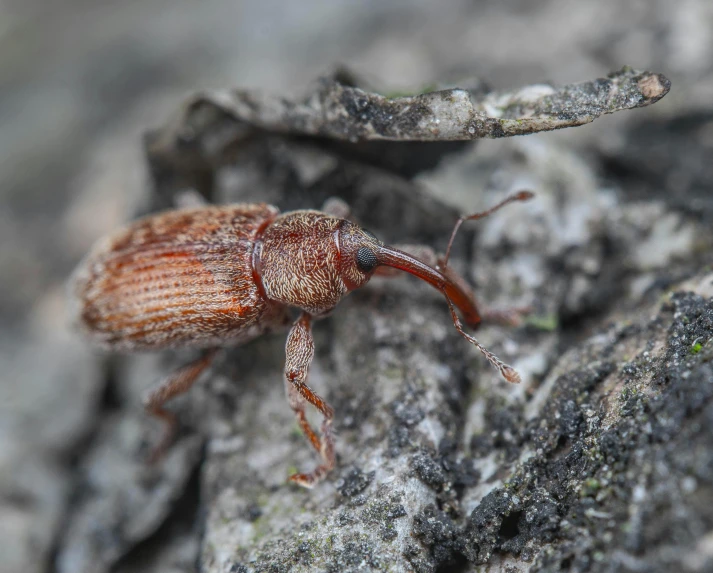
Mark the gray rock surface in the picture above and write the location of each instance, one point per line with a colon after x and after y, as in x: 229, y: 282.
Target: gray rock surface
x: 599, y: 461
x: 337, y: 109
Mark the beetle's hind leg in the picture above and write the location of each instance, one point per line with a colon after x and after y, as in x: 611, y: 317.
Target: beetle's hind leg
x: 299, y: 353
x: 177, y: 383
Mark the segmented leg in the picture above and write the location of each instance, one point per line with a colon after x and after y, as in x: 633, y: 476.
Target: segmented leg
x: 300, y: 351
x: 297, y: 403
x: 177, y: 383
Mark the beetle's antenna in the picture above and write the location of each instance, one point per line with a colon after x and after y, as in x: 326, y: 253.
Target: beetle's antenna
x: 506, y: 371
x: 456, y: 296
x: 520, y: 196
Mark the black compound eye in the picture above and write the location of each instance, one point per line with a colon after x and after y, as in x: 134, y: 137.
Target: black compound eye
x: 366, y: 260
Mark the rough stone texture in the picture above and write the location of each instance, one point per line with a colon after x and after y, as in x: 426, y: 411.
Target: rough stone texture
x: 221, y: 127
x: 600, y: 460
x: 337, y: 109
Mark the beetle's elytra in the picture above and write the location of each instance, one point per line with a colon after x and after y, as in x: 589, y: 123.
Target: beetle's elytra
x: 216, y: 276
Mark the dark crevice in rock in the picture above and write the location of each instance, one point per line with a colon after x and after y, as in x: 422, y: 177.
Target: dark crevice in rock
x: 509, y: 527
x: 183, y: 520
x: 109, y: 401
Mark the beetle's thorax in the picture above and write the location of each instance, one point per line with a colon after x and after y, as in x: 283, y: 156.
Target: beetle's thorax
x: 297, y: 261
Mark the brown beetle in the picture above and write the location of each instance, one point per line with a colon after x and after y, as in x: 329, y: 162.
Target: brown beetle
x: 215, y: 276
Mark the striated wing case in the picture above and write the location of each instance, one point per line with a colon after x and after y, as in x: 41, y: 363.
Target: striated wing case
x: 180, y: 278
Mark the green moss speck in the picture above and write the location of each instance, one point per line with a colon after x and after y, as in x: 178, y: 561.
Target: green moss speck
x: 392, y: 373
x: 696, y: 348
x: 590, y: 487
x: 546, y: 322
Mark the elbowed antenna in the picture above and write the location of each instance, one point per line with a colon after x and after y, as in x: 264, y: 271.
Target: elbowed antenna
x: 452, y: 286
x: 519, y: 196
x: 455, y: 296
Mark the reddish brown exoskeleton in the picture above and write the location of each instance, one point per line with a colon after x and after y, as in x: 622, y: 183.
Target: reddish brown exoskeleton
x: 215, y: 276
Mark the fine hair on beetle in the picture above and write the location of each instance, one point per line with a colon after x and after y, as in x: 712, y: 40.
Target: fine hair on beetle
x: 214, y: 276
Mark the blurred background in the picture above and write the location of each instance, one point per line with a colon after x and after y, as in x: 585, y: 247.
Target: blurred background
x: 81, y: 80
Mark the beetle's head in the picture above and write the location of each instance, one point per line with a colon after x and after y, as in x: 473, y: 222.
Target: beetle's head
x: 362, y: 253
x: 311, y: 261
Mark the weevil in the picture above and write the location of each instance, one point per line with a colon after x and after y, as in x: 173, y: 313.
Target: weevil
x: 214, y: 276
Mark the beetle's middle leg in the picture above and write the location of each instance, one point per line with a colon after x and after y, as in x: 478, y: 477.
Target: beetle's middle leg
x: 177, y: 383
x: 300, y: 351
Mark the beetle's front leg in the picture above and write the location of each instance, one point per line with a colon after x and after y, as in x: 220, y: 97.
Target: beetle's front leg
x: 299, y: 353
